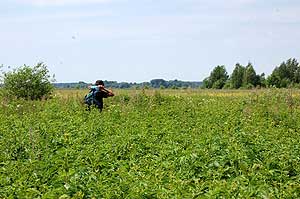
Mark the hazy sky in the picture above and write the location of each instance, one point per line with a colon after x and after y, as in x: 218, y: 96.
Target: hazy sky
x: 139, y: 40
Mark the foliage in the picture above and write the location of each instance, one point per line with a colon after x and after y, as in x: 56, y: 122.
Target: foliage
x: 237, y: 76
x: 246, y: 77
x: 155, y: 83
x: 285, y: 75
x: 217, y: 78
x: 250, y: 78
x: 171, y: 143
x: 28, y: 82
x: 262, y: 82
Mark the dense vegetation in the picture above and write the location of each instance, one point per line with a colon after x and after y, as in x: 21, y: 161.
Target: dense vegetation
x: 284, y: 76
x: 172, y: 144
x: 27, y: 82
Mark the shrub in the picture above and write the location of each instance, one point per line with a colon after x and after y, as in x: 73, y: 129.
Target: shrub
x: 28, y: 82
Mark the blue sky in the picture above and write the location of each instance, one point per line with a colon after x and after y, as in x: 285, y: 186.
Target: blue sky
x: 139, y: 40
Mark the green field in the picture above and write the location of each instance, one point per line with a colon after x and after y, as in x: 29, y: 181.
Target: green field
x: 152, y: 144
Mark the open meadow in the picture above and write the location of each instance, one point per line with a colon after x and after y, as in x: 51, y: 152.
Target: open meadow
x: 152, y: 144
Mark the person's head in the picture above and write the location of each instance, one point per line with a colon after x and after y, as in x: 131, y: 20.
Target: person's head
x: 99, y: 82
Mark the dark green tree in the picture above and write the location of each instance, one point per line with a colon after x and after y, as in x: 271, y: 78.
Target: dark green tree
x: 157, y: 83
x: 217, y: 78
x: 262, y: 80
x: 284, y: 75
x: 237, y: 76
x: 292, y: 66
x: 274, y: 79
x: 250, y: 78
x: 297, y: 76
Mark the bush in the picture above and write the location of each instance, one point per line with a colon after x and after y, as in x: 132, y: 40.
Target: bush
x: 28, y: 82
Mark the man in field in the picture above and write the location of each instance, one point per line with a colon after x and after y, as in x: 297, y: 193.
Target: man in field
x: 98, y: 92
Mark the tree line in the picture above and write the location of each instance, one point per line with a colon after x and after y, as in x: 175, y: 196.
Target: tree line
x: 287, y: 74
x: 154, y: 83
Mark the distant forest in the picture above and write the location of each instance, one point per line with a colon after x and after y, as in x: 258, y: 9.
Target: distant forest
x: 155, y: 83
x: 286, y: 75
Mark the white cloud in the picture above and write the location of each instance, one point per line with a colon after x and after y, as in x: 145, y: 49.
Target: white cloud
x: 60, y: 2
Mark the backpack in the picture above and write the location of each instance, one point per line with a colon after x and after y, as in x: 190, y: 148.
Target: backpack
x: 89, y: 98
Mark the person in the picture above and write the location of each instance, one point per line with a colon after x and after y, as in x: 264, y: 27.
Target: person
x: 99, y: 92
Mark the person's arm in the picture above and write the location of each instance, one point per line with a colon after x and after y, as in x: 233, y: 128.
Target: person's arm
x: 109, y: 92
